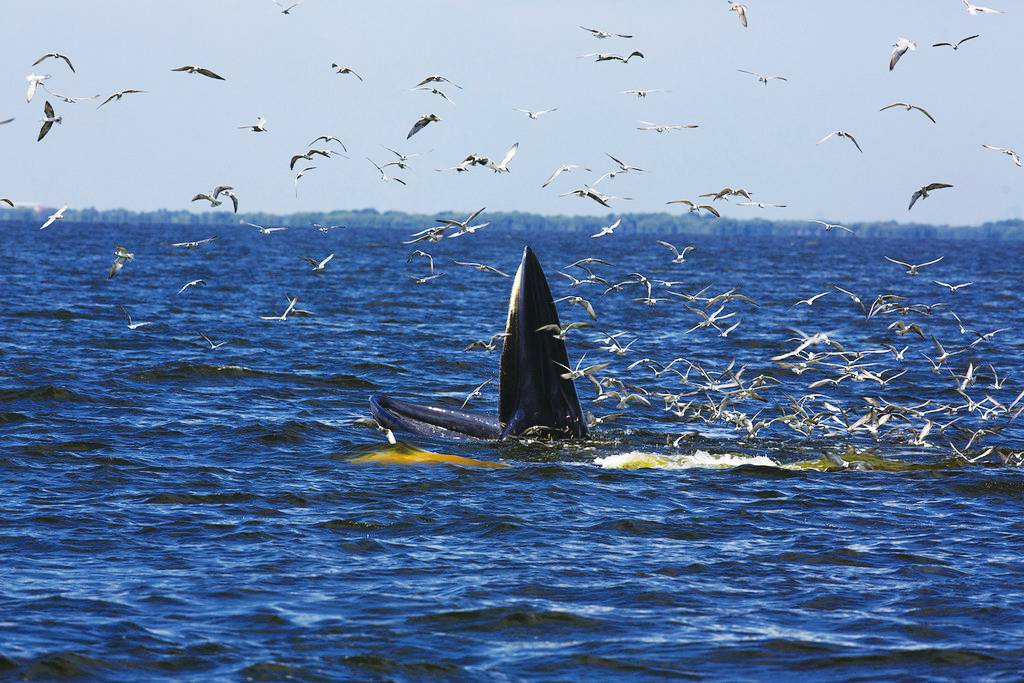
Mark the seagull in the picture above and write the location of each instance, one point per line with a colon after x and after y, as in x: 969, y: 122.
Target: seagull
x: 424, y: 254
x: 55, y: 55
x: 229, y: 193
x: 8, y: 202
x: 1008, y: 152
x: 978, y: 9
x: 475, y: 393
x: 763, y: 78
x: 203, y: 196
x: 561, y: 330
x: 329, y: 138
x: 607, y: 57
x: 536, y: 114
x: 292, y: 300
x: 213, y: 346
x: 384, y: 176
x: 468, y: 230
x: 422, y: 123
x: 913, y: 269
x: 953, y: 289
x: 263, y: 230
x: 436, y: 78
x: 119, y: 94
x: 309, y: 154
x: 33, y: 82
x: 318, y: 266
x: 696, y: 208
x: 482, y: 267
x: 434, y: 91
x: 6, y: 121
x: 402, y: 160
x: 608, y: 229
x: 449, y: 223
x: 641, y: 94
x: 424, y: 280
x: 830, y: 226
x: 909, y: 107
x: 200, y: 70
x: 503, y: 166
x: 762, y: 205
x: 193, y: 245
x: 192, y: 284
x: 259, y: 127
x: 49, y: 118
x: 298, y: 176
x: 324, y: 229
x: 345, y: 70
x: 740, y: 10
x: 810, y: 301
x: 899, y: 49
x: 580, y: 301
x: 57, y: 215
x: 121, y: 257
x: 132, y: 325
x: 922, y: 193
x: 623, y: 166
x: 842, y: 134
x: 957, y: 44
x: 68, y: 99
x: 566, y: 168
x: 289, y: 8
x: 589, y: 192
x: 678, y: 256
x: 601, y: 35
x: 664, y: 127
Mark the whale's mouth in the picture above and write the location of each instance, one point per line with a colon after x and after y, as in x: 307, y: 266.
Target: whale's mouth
x: 532, y: 394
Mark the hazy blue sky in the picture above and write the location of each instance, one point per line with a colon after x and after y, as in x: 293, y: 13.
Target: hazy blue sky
x: 156, y: 150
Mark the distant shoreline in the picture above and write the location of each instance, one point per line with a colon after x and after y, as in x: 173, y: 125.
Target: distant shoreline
x: 649, y: 223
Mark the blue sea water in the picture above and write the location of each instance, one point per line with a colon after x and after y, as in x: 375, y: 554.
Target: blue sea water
x: 173, y: 511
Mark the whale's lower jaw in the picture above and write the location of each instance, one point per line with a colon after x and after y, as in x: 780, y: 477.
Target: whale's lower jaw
x: 431, y: 421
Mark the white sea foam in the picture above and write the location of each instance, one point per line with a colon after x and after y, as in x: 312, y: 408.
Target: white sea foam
x: 635, y: 460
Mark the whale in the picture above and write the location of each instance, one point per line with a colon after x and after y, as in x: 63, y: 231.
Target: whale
x: 533, y: 397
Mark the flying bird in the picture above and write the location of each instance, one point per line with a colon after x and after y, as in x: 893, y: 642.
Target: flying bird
x: 566, y: 168
x: 55, y: 55
x: 437, y: 78
x: 763, y: 78
x: 384, y: 177
x: 57, y: 215
x: 601, y: 35
x: 978, y: 9
x: 200, y: 70
x: 900, y: 48
x: 608, y: 57
x: 119, y: 94
x: 909, y: 107
x: 678, y: 255
x: 262, y: 230
x: 922, y: 193
x: 434, y: 91
x: 329, y: 138
x: 831, y: 226
x: 193, y: 245
x: 121, y: 257
x: 842, y: 134
x: 912, y: 269
x: 132, y: 325
x: 344, y: 70
x: 1008, y: 152
x: 741, y: 12
x: 191, y: 284
x: 957, y: 44
x: 213, y: 345
x: 33, y: 82
x: 641, y: 94
x: 298, y: 177
x: 502, y: 167
x: 289, y: 8
x: 259, y: 127
x: 49, y: 118
x: 318, y: 266
x: 422, y: 123
x: 664, y: 127
x: 537, y: 114
x: 608, y: 229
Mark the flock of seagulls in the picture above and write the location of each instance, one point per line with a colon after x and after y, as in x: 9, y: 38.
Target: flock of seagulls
x: 692, y: 392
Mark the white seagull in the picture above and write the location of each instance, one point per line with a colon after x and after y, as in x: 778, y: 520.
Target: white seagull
x: 57, y: 215
x: 899, y: 49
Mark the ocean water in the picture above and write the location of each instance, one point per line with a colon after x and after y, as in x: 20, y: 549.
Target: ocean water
x: 169, y: 510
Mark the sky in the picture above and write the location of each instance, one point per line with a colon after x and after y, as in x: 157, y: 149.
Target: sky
x: 156, y: 150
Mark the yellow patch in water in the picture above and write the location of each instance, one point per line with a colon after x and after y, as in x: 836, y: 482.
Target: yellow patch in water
x: 404, y: 454
x: 637, y: 460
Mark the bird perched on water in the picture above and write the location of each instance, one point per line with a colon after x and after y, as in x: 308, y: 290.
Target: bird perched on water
x: 199, y: 70
x: 344, y: 70
x: 49, y: 118
x: 121, y: 257
x: 842, y: 134
x: 119, y: 94
x: 922, y: 193
x: 57, y: 215
x: 422, y: 123
x: 1008, y: 152
x: 909, y: 107
x: 601, y: 35
x: 55, y: 55
x: 33, y: 83
x: 900, y: 48
x: 259, y: 127
x: 957, y: 44
x: 537, y: 114
x: 763, y: 78
x: 740, y: 10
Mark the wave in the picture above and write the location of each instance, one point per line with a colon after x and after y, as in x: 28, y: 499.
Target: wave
x: 637, y: 460
x: 183, y: 370
x: 46, y: 392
